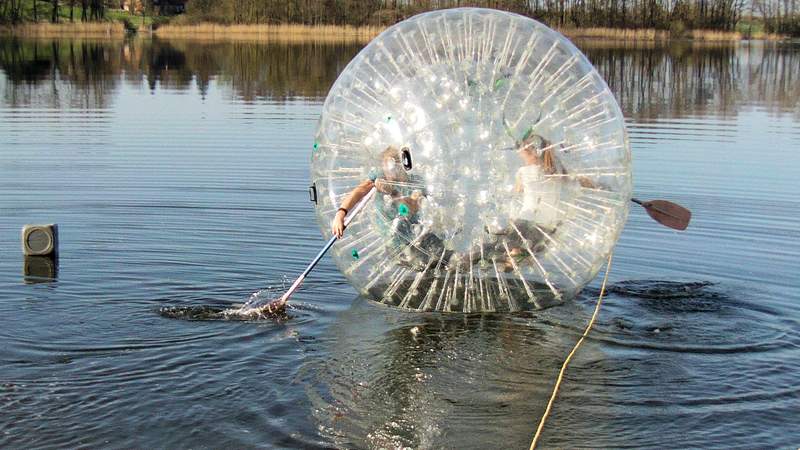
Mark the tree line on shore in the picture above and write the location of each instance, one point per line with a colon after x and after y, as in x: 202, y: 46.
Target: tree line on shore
x: 19, y: 11
x: 777, y: 16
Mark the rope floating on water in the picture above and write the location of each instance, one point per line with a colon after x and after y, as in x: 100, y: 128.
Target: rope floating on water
x: 569, y: 357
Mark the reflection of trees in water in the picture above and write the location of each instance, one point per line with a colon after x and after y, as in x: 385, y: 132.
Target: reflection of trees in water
x: 773, y: 78
x: 686, y: 79
x: 25, y: 64
x: 649, y: 80
x: 284, y: 71
x: 670, y: 80
x: 37, y: 69
x: 275, y: 71
x: 166, y: 66
x: 67, y: 73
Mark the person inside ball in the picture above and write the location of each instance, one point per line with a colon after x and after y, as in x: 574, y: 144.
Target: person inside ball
x: 540, y: 182
x: 398, y: 203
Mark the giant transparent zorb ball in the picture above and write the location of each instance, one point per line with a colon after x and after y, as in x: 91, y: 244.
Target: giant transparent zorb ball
x: 501, y: 158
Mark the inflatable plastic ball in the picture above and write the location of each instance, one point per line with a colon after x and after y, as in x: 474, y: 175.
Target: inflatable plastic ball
x: 500, y: 160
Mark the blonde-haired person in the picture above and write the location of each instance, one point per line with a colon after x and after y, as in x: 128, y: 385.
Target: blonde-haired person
x: 541, y: 182
x: 397, y: 206
x: 534, y: 181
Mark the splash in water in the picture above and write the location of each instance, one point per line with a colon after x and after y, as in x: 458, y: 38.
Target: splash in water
x: 266, y: 309
x: 261, y: 305
x: 264, y: 303
x: 203, y: 313
x: 261, y: 298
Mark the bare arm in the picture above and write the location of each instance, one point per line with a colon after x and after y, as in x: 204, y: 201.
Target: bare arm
x: 587, y: 183
x: 352, y: 199
x: 357, y: 194
x: 384, y: 186
x: 583, y: 181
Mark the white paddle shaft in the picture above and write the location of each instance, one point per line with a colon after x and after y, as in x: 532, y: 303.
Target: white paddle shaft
x: 347, y: 219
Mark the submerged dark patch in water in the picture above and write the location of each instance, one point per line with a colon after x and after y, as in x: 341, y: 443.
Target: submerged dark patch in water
x: 672, y: 296
x: 660, y: 289
x: 212, y: 313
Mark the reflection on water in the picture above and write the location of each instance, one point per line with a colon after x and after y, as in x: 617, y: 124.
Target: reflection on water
x: 177, y: 172
x: 649, y: 80
x: 94, y: 69
x: 687, y: 79
x: 664, y: 290
x: 433, y: 381
x: 40, y: 269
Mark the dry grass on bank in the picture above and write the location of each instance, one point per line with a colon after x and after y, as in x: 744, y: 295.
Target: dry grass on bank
x: 761, y: 36
x: 67, y: 29
x: 717, y: 36
x: 622, y: 34
x: 712, y: 35
x: 650, y: 34
x: 279, y: 32
x: 339, y: 34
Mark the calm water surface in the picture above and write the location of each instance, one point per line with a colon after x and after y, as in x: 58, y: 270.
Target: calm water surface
x: 177, y: 172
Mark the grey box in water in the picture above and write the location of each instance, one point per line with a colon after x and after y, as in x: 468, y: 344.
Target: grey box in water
x: 40, y: 240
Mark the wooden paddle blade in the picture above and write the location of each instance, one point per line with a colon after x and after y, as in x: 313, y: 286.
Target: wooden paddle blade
x: 668, y: 214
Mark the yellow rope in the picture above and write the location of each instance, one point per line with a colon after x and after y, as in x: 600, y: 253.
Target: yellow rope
x: 569, y: 357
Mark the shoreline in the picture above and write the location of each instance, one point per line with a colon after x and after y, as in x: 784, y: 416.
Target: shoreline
x: 339, y: 33
x: 654, y: 35
x: 65, y: 29
x: 278, y: 32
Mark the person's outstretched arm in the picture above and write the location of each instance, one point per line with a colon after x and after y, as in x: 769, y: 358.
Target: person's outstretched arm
x: 352, y: 199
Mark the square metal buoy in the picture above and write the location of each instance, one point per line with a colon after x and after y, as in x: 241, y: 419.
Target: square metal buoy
x: 40, y: 240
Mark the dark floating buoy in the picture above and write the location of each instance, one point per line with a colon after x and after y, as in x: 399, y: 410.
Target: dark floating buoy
x: 40, y: 240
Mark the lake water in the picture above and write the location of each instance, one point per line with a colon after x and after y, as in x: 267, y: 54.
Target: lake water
x: 177, y: 173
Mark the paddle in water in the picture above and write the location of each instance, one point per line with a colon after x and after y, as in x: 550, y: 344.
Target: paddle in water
x: 278, y: 306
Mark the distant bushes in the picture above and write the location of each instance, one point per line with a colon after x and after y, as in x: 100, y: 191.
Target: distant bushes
x: 130, y: 28
x: 674, y: 16
x: 19, y: 11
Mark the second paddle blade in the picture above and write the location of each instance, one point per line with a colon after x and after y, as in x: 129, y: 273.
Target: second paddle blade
x: 668, y: 214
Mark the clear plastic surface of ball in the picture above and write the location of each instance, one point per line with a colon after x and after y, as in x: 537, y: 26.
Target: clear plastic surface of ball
x: 499, y: 156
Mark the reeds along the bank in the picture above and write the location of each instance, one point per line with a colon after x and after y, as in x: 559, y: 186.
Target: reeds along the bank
x: 67, y: 29
x: 714, y: 35
x: 341, y: 33
x: 650, y: 34
x: 627, y: 34
x: 761, y: 36
x: 718, y: 36
x: 279, y: 32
